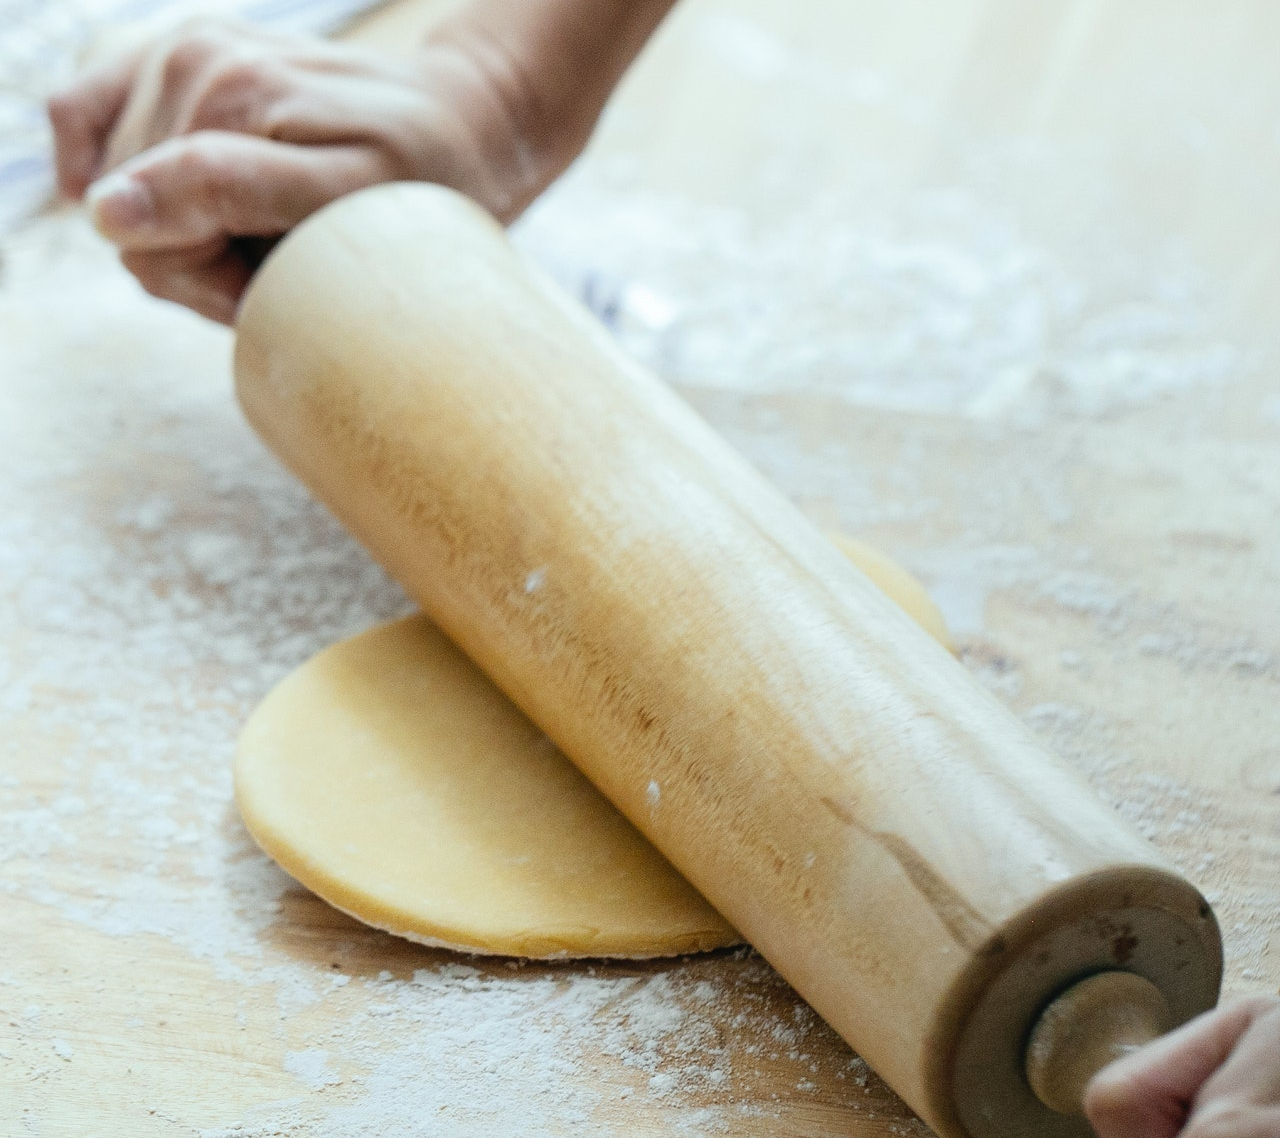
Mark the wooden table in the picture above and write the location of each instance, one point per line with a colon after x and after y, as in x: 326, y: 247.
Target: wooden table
x: 990, y: 284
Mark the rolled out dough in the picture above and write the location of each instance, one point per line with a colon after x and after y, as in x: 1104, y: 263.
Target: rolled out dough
x: 389, y: 776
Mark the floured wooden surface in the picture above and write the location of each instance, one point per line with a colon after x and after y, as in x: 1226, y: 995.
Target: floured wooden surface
x: 990, y: 288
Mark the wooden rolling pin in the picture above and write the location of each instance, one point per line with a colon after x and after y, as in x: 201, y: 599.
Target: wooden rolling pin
x: 887, y: 835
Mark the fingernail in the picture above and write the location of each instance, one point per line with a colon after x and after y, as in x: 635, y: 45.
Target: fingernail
x: 118, y: 203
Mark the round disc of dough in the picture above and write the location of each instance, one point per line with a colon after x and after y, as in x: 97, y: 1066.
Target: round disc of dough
x: 389, y: 776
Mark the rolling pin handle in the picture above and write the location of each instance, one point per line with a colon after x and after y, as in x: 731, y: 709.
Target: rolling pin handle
x: 1091, y: 1024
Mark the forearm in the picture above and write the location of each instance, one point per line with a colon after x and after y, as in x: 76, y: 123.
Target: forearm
x: 554, y: 64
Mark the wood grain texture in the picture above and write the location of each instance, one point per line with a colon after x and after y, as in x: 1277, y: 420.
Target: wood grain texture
x: 1101, y: 538
x: 894, y: 842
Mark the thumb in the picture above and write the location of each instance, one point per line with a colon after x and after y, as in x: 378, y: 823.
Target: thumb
x: 190, y: 190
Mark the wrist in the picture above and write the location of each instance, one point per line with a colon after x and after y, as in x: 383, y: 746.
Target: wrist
x: 519, y: 146
x: 547, y: 70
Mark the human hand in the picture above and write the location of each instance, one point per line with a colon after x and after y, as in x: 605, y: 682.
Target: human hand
x: 217, y: 132
x: 1215, y: 1077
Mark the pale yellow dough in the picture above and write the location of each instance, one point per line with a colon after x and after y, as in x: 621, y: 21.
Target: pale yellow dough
x: 389, y: 776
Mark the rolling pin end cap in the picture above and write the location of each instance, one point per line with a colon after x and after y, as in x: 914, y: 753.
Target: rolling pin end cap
x: 1091, y: 1024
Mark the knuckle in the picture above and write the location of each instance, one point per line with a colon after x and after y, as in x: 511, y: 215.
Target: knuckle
x: 212, y: 171
x: 239, y: 81
x: 277, y: 117
x: 220, y: 167
x: 185, y: 58
x: 238, y: 91
x: 237, y: 71
x: 194, y: 45
x: 196, y: 164
x: 188, y: 160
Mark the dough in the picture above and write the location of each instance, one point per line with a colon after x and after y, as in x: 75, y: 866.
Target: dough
x: 389, y: 776
x: 896, y: 584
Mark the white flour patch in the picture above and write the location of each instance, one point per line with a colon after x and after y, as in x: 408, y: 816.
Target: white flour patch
x: 936, y: 305
x: 311, y: 1068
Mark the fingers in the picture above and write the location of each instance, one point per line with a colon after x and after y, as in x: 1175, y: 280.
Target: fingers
x: 176, y: 210
x: 209, y: 278
x: 207, y: 76
x: 1178, y: 1085
x: 213, y: 133
x: 1241, y: 1099
x: 155, y: 82
x: 1148, y: 1094
x: 193, y: 189
x: 82, y: 118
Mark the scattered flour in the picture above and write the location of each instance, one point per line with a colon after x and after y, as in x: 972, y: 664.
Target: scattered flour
x: 938, y: 306
x: 311, y: 1068
x: 158, y: 572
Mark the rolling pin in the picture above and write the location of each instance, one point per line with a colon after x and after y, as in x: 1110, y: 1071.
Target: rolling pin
x: 953, y: 900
